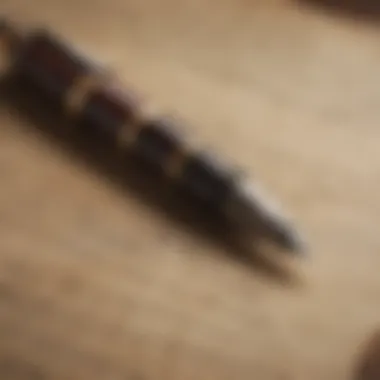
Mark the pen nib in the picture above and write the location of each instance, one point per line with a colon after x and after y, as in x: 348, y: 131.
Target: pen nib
x: 287, y: 237
x: 254, y: 210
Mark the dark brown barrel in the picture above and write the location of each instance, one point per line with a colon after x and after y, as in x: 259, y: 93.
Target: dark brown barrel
x: 118, y: 117
x: 106, y: 113
x: 50, y: 65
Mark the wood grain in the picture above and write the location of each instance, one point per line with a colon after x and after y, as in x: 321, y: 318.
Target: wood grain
x: 98, y: 282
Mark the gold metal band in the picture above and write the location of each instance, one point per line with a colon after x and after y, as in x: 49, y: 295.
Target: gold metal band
x: 129, y: 134
x: 132, y: 128
x: 175, y: 164
x: 80, y: 91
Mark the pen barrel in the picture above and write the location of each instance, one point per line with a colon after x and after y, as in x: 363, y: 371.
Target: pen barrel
x: 102, y: 107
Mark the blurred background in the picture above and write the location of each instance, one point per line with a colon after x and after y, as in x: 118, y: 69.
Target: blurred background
x: 105, y: 278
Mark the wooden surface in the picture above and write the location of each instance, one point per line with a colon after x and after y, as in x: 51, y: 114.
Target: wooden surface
x: 98, y: 282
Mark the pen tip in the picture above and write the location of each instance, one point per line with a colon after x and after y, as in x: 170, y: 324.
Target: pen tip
x: 291, y: 240
x: 254, y: 210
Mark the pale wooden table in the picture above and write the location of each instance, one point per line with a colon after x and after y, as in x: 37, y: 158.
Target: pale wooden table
x: 96, y: 283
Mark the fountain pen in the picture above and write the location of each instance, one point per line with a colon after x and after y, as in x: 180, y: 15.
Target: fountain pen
x: 88, y: 95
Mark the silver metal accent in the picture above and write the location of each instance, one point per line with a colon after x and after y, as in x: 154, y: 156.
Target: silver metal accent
x: 253, y: 210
